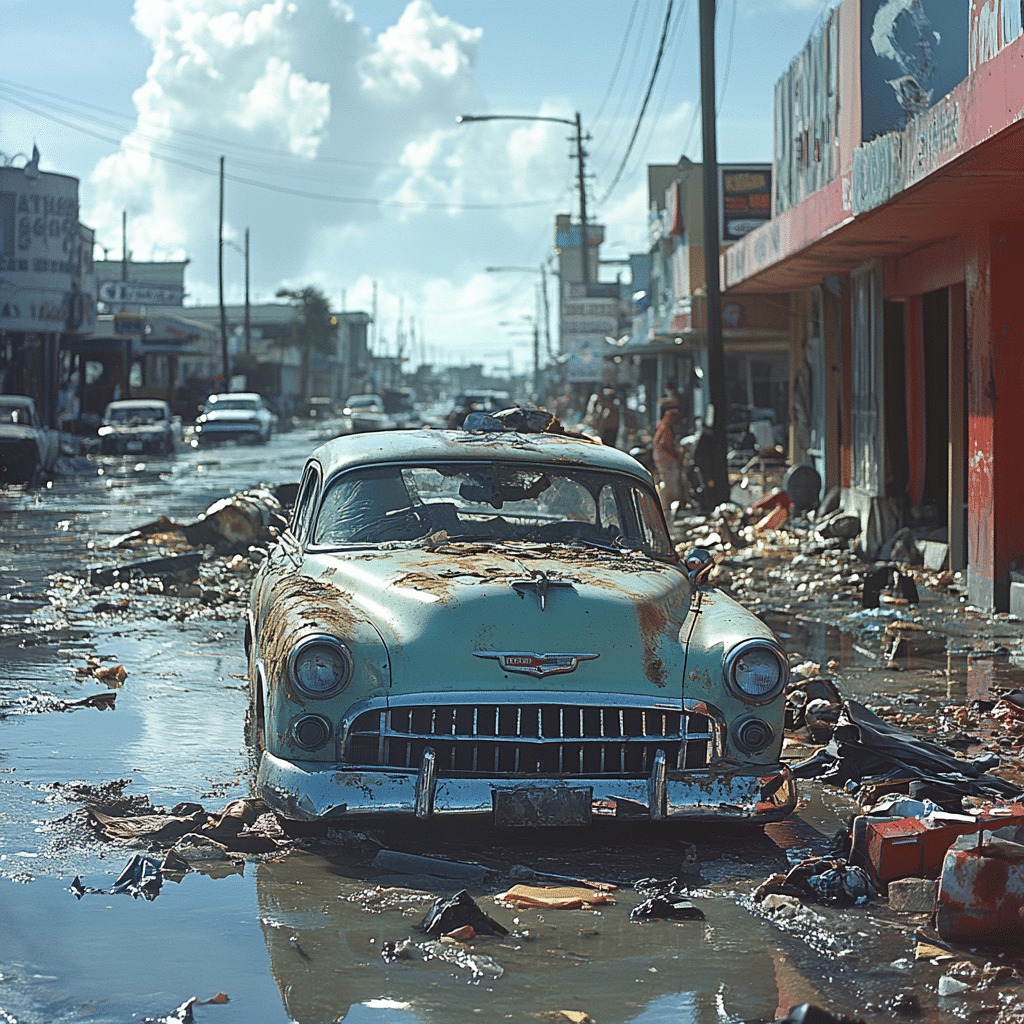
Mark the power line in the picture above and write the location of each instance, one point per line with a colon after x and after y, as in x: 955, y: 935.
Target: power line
x: 281, y: 189
x: 618, y: 62
x: 643, y: 108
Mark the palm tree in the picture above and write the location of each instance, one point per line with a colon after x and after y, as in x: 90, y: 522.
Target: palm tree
x: 314, y: 328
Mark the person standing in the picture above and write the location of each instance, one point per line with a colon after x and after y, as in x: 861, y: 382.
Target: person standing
x: 603, y: 415
x: 668, y: 461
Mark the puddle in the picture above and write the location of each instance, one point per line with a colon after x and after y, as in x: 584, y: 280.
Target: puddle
x: 298, y: 939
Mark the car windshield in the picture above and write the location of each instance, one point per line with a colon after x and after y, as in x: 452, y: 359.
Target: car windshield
x: 136, y: 414
x: 490, y: 502
x: 232, y: 403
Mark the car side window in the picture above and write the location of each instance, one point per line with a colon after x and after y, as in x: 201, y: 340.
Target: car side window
x: 305, y: 503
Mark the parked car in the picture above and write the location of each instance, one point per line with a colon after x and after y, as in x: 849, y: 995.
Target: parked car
x: 27, y: 447
x: 461, y: 622
x: 237, y: 416
x: 366, y: 413
x: 138, y: 425
x: 476, y: 401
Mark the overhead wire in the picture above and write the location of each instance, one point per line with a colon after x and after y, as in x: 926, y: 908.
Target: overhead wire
x: 725, y: 82
x: 618, y: 62
x: 613, y: 141
x: 150, y: 151
x: 643, y: 107
x: 640, y: 158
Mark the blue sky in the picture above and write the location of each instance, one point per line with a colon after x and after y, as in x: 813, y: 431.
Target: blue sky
x: 353, y: 105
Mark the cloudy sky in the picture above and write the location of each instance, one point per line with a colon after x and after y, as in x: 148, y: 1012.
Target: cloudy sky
x: 336, y: 119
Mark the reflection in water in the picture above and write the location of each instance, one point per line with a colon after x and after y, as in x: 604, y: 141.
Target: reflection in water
x: 324, y: 933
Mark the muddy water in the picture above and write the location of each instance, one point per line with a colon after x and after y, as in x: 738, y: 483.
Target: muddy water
x: 300, y: 937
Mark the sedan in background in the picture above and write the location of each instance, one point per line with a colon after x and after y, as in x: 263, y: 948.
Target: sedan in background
x: 366, y: 413
x: 238, y: 416
x: 136, y: 426
x: 27, y: 448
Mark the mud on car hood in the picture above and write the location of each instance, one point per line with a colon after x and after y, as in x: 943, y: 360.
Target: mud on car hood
x: 491, y: 620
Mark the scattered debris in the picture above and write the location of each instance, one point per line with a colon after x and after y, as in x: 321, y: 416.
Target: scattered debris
x: 864, y: 749
x: 449, y: 913
x: 665, y: 899
x: 553, y: 898
x: 820, y: 880
x: 395, y: 862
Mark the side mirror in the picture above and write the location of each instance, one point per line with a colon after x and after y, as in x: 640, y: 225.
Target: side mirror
x: 699, y: 564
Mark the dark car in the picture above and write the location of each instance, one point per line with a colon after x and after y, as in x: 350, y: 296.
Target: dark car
x: 476, y: 401
x: 135, y: 426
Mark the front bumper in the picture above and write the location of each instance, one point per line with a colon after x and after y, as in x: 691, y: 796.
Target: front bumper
x: 230, y: 432
x: 313, y: 790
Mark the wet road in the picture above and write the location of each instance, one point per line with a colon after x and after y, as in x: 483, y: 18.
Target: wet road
x: 299, y: 937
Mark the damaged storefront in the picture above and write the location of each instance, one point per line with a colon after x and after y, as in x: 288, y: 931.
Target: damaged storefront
x: 897, y: 236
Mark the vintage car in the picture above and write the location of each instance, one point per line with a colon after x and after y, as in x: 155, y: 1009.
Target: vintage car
x: 366, y: 413
x: 238, y: 416
x: 27, y: 448
x: 139, y: 425
x: 496, y: 623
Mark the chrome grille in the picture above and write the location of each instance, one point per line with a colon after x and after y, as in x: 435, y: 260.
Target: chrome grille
x: 530, y: 739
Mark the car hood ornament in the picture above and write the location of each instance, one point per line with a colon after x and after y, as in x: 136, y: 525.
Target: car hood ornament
x: 541, y: 582
x: 538, y: 665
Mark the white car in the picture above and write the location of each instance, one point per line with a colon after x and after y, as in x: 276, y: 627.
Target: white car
x: 366, y: 413
x: 237, y: 416
x: 27, y: 448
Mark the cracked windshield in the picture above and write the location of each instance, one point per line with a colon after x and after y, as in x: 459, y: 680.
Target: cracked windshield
x: 504, y: 513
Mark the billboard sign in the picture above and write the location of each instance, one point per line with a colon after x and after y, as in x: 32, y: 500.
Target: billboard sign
x: 133, y: 293
x: 745, y: 199
x: 912, y: 53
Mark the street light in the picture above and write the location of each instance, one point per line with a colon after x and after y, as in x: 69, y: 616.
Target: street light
x: 580, y: 156
x: 542, y: 270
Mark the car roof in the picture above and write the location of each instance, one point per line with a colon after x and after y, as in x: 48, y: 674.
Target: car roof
x: 16, y: 400
x: 136, y: 403
x: 352, y: 450
x: 233, y: 394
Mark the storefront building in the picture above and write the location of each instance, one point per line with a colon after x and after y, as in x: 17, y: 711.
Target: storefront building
x: 47, y: 285
x: 898, y: 235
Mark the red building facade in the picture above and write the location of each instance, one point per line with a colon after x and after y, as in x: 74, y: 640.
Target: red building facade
x: 898, y: 239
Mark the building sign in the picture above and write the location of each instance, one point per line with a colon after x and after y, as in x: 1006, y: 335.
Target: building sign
x: 132, y: 293
x: 585, y: 324
x: 912, y: 53
x: 994, y: 24
x: 45, y: 255
x: 745, y: 199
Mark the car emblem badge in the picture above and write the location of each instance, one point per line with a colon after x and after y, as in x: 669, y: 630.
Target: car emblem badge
x: 536, y: 664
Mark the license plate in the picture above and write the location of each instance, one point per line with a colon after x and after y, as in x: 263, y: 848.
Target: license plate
x: 535, y: 805
x: 133, y: 446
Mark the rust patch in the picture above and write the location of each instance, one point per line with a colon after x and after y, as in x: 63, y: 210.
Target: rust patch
x: 297, y: 602
x: 652, y: 626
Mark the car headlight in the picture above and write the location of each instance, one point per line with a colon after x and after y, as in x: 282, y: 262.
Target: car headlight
x: 319, y: 666
x: 757, y: 670
x: 103, y: 431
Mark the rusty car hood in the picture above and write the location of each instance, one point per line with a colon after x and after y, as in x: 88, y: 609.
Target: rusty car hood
x: 450, y: 616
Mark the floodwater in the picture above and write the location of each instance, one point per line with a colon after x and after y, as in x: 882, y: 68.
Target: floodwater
x: 300, y: 937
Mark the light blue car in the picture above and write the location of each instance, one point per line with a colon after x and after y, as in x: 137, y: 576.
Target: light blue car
x: 497, y: 623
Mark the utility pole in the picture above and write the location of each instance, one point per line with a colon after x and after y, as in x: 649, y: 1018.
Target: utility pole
x: 718, y: 486
x: 580, y: 156
x: 248, y: 333
x: 124, y: 247
x: 220, y: 280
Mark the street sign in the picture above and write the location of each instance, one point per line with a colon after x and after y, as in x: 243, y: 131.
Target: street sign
x: 133, y: 293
